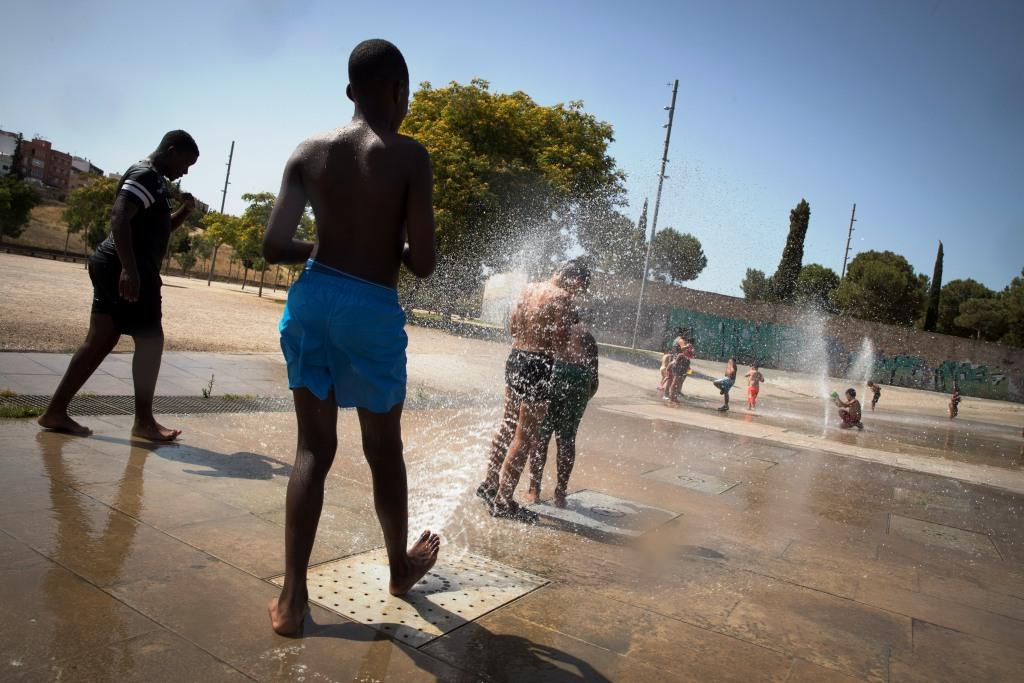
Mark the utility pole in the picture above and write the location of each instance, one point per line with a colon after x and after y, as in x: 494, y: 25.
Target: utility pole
x: 223, y: 196
x: 849, y: 236
x: 224, y: 192
x: 657, y: 203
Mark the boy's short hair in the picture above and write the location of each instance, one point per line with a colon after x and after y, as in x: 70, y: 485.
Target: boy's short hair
x: 851, y: 392
x: 178, y: 139
x: 577, y: 270
x: 374, y: 63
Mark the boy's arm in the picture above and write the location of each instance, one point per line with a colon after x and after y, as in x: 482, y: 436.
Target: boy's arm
x: 419, y: 254
x: 279, y: 243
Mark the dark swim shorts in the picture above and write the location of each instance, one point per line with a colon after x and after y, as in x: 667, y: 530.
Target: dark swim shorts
x: 528, y: 374
x: 136, y: 318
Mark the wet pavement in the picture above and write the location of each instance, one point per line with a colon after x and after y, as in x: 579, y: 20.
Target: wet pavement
x: 763, y: 548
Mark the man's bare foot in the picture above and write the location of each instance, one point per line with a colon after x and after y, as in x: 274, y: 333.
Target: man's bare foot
x: 532, y: 495
x: 154, y: 431
x: 418, y: 561
x: 61, y: 422
x: 558, y: 500
x: 286, y: 621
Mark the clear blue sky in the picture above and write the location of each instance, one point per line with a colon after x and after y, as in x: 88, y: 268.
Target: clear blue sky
x: 914, y: 110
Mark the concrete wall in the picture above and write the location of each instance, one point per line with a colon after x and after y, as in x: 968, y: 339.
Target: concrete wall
x: 777, y: 336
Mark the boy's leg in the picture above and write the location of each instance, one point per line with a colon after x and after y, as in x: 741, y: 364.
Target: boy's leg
x: 149, y: 349
x: 566, y: 459
x: 100, y: 340
x: 499, y: 445
x: 531, y: 415
x: 317, y: 443
x: 538, y: 459
x: 382, y: 446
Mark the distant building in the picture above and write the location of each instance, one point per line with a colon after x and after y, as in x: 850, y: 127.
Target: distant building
x: 82, y: 171
x: 46, y: 164
x: 8, y: 142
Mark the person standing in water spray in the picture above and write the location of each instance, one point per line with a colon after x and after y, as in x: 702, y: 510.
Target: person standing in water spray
x: 876, y: 393
x: 540, y: 328
x: 343, y: 330
x: 575, y: 381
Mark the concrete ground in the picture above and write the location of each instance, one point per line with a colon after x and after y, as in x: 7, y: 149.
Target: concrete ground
x: 773, y: 547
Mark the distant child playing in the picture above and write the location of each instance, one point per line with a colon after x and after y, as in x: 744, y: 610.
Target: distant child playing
x: 876, y: 393
x: 754, y: 379
x: 849, y: 410
x: 725, y: 384
x: 666, y: 376
x: 954, y: 403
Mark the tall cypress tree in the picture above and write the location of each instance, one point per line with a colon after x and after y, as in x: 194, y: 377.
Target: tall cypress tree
x: 16, y: 164
x: 642, y: 223
x: 931, y: 312
x: 784, y: 280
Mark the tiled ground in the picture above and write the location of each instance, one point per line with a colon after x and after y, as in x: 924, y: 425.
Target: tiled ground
x: 128, y: 561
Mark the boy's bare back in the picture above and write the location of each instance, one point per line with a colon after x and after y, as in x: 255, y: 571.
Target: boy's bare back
x: 540, y: 321
x: 370, y: 189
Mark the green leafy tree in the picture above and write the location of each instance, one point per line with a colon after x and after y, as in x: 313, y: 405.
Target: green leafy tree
x: 881, y: 286
x: 785, y: 278
x: 985, y: 317
x: 248, y: 246
x: 201, y: 247
x: 677, y: 257
x: 17, y: 199
x: 755, y: 285
x: 220, y: 229
x: 616, y: 245
x: 816, y: 286
x: 931, y: 311
x: 954, y: 293
x: 1012, y: 299
x: 508, y: 172
x: 88, y: 210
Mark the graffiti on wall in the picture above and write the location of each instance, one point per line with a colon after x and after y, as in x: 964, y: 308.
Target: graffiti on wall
x: 784, y: 347
x: 772, y: 345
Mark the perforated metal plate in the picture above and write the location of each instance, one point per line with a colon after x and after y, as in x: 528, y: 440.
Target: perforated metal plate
x: 930, y: 533
x: 458, y: 590
x: 162, y: 405
x: 696, y: 481
x: 607, y: 514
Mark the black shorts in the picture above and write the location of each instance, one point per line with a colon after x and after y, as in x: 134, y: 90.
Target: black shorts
x: 528, y: 375
x: 136, y: 318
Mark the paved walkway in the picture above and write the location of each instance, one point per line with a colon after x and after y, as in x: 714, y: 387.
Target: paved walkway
x: 760, y: 556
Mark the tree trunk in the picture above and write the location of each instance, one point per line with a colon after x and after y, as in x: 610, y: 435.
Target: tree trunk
x: 66, y: 240
x: 213, y: 262
x: 263, y: 274
x: 277, y: 276
x: 245, y: 277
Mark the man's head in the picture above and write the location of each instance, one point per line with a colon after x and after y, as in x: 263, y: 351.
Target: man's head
x: 574, y: 276
x: 870, y: 383
x: 851, y: 393
x: 754, y: 367
x: 175, y: 153
x: 378, y: 79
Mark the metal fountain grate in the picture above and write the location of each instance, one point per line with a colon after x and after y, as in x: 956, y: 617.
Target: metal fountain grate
x: 606, y: 514
x: 454, y: 593
x: 681, y: 475
x: 930, y: 533
x: 167, y: 405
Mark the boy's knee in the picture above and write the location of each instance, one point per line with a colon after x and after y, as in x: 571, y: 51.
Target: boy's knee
x: 382, y: 447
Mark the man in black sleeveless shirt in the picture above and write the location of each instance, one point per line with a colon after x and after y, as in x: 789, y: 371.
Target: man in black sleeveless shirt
x: 125, y: 274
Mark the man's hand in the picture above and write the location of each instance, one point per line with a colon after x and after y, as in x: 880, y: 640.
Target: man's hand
x: 128, y: 285
x: 189, y: 202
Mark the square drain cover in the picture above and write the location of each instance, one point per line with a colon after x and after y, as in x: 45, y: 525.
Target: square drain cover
x: 606, y: 513
x: 457, y: 590
x: 931, y: 533
x: 687, y: 478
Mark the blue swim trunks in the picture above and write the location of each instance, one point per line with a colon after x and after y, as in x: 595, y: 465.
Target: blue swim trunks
x: 342, y: 332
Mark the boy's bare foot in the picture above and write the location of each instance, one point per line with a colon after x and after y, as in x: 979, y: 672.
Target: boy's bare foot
x: 154, y: 431
x: 558, y: 500
x: 418, y: 561
x: 284, y: 620
x: 532, y: 496
x: 61, y: 422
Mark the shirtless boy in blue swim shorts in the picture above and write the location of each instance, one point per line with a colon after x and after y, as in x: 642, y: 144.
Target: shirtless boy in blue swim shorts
x: 342, y: 331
